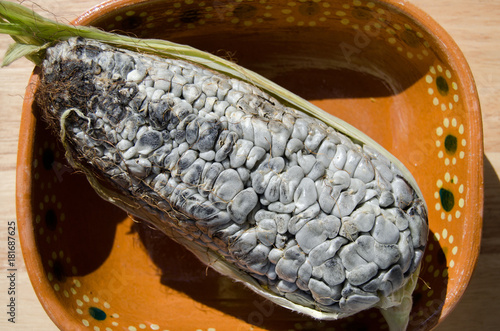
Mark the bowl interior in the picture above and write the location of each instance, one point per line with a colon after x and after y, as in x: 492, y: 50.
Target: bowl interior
x: 380, y: 66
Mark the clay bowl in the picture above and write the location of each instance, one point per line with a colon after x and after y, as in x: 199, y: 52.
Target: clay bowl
x: 383, y: 66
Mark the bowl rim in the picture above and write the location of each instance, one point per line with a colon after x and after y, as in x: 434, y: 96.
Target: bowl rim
x: 45, y: 294
x: 456, y: 58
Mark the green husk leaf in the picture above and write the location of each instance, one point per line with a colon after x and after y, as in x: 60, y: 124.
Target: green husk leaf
x: 11, y: 29
x: 17, y: 51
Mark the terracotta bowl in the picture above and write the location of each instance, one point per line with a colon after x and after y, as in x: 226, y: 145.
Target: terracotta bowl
x: 383, y: 66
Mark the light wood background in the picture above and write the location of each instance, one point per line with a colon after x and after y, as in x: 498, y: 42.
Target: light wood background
x: 474, y: 25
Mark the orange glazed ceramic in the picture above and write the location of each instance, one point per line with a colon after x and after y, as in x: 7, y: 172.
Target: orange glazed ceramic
x: 383, y: 66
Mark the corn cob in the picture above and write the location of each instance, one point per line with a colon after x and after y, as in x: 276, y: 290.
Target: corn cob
x: 301, y: 213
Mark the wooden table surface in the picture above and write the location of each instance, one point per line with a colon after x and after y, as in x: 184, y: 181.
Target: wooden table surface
x: 474, y: 25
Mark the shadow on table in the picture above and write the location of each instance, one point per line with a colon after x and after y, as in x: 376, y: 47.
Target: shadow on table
x: 478, y: 301
x: 491, y: 212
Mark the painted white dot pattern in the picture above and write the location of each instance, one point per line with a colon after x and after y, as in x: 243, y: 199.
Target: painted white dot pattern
x: 449, y: 136
x: 440, y: 79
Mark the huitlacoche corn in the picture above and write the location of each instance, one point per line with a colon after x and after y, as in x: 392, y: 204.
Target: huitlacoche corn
x: 313, y: 217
